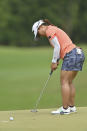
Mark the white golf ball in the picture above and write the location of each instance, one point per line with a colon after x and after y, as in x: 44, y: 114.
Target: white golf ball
x: 11, y: 118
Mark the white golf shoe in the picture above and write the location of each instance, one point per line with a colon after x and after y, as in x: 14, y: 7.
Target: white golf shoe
x: 73, y: 109
x: 61, y: 111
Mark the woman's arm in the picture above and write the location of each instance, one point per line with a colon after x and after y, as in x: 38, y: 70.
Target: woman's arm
x: 56, y: 53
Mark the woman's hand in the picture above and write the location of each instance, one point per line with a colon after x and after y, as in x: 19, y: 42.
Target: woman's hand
x: 54, y: 66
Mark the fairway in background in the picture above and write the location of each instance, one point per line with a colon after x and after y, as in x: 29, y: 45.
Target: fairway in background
x: 23, y: 72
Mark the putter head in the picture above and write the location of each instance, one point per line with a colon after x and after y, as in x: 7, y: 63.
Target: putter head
x: 34, y: 110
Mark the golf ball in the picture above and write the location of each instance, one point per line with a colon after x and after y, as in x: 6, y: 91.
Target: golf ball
x: 11, y: 118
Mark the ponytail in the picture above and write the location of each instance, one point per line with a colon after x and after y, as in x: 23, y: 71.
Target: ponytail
x: 47, y: 22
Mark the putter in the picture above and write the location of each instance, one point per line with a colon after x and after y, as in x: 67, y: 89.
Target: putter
x: 39, y: 98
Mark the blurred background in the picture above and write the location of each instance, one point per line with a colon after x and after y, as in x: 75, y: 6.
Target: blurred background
x: 23, y: 71
x: 18, y: 16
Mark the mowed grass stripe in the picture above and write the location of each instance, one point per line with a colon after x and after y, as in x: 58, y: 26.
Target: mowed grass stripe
x: 43, y: 120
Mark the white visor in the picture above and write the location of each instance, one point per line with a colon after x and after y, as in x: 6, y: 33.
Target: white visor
x: 35, y: 27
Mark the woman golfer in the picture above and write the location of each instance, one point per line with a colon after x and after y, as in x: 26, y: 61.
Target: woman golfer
x: 72, y: 56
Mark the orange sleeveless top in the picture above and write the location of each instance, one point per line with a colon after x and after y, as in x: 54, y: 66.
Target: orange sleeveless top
x: 65, y: 42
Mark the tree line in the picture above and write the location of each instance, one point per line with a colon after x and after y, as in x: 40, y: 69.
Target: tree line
x: 18, y: 16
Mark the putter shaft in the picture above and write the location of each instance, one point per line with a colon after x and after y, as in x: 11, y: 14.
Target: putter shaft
x: 38, y: 100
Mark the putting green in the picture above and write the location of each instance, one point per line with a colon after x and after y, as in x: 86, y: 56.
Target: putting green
x: 43, y: 121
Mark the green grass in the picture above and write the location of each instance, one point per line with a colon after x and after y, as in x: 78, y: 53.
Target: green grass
x: 23, y: 72
x: 27, y: 121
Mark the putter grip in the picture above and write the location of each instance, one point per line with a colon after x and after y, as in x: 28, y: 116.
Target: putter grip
x: 51, y: 72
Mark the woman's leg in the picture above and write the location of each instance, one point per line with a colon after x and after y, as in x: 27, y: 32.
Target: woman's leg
x: 68, y: 91
x: 72, y: 90
x: 72, y: 95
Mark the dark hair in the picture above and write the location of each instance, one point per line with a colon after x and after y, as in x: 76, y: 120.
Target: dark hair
x: 47, y: 22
